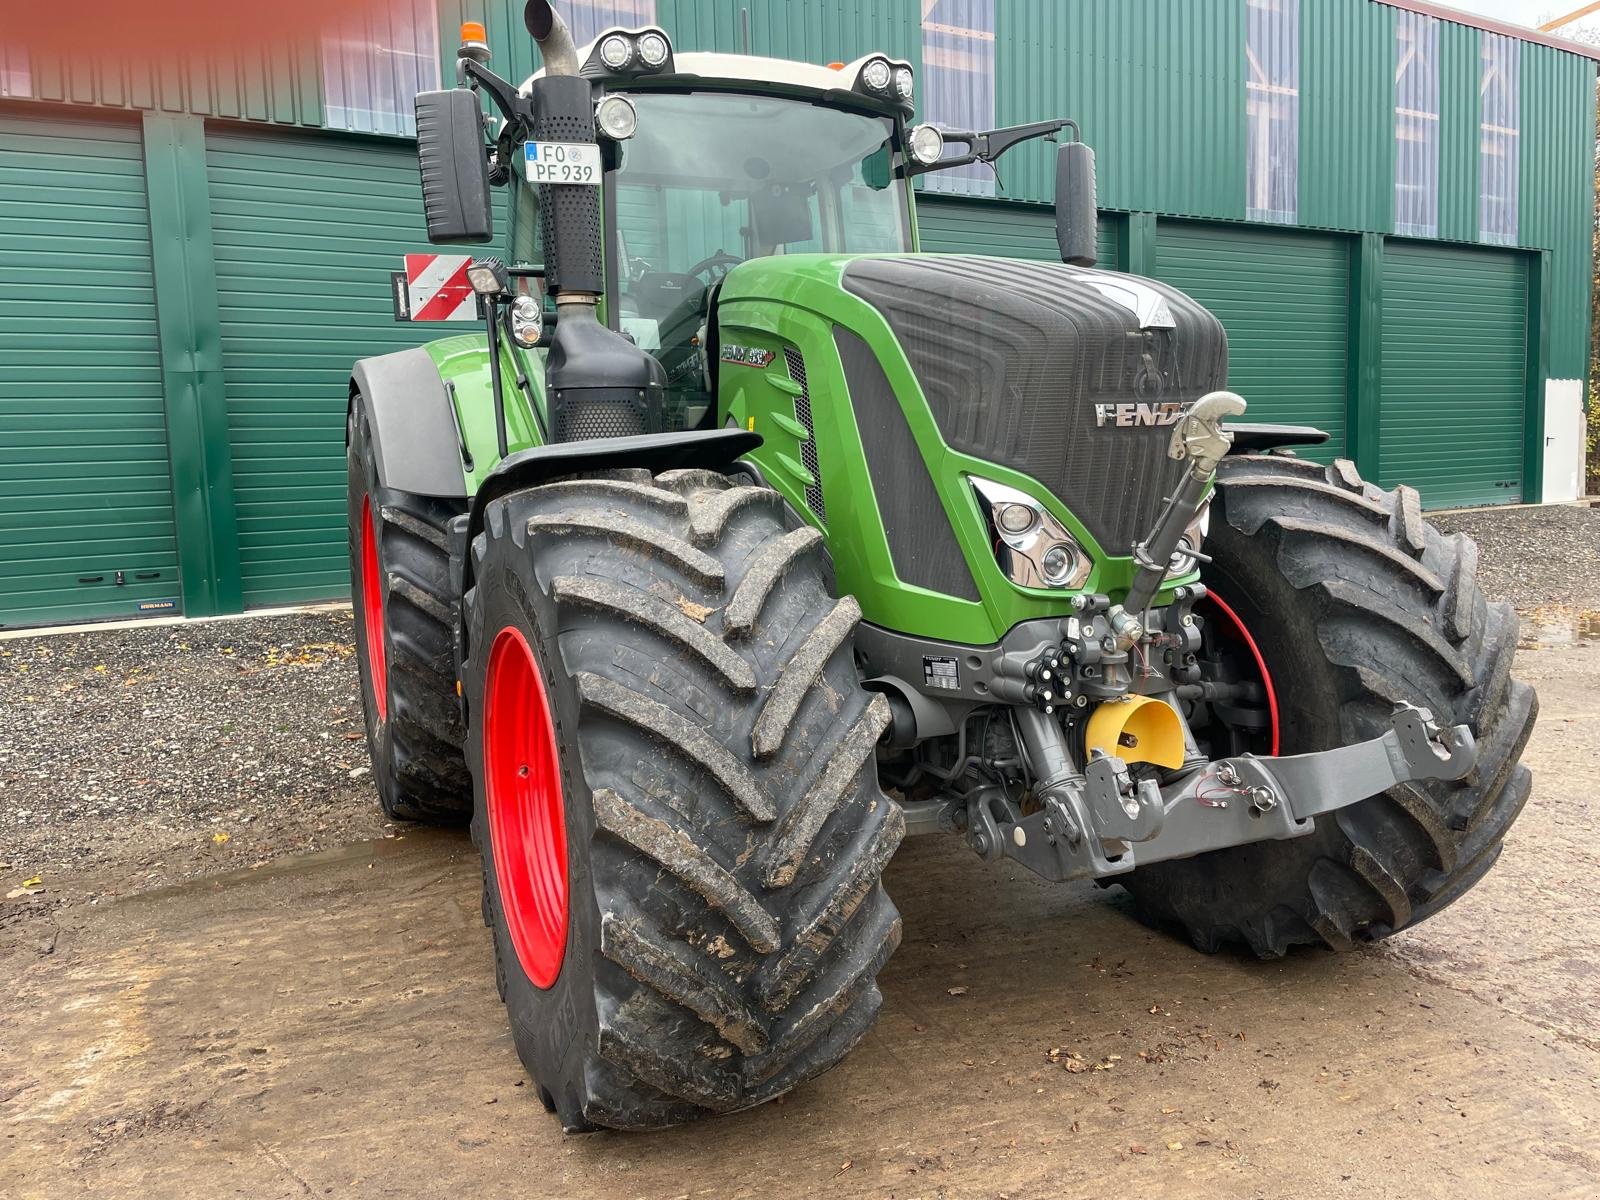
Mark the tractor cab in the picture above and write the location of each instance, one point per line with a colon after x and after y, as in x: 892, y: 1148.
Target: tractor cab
x: 726, y: 159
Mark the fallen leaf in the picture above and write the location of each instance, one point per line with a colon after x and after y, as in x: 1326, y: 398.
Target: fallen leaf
x: 1138, y: 1148
x: 221, y: 836
x: 1174, y: 1145
x: 34, y: 882
x: 956, y: 991
x: 698, y: 612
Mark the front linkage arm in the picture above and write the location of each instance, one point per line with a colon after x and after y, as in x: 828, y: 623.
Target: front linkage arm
x: 1102, y: 823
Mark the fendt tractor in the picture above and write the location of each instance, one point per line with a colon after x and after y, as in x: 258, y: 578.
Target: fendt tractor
x: 741, y: 540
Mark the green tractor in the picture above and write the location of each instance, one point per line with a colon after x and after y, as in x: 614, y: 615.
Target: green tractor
x: 742, y: 540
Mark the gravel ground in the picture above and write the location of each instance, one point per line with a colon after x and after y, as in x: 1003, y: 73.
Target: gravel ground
x: 135, y: 757
x: 139, y: 757
x: 1537, y: 558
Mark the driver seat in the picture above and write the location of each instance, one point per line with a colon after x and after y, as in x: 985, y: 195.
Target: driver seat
x: 660, y: 294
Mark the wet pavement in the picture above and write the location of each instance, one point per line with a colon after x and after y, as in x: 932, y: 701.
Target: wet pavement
x: 327, y: 1025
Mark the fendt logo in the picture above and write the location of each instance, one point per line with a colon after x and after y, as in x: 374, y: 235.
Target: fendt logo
x: 1131, y: 414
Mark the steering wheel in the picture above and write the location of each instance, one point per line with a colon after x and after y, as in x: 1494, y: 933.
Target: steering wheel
x: 715, y: 266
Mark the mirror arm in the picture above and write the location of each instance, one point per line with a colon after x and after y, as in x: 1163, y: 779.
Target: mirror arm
x: 518, y: 109
x: 990, y: 144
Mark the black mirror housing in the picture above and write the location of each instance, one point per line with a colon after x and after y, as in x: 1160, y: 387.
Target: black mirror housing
x: 455, y: 167
x: 1077, y: 213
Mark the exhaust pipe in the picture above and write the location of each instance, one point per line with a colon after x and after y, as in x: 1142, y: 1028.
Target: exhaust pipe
x: 554, y: 38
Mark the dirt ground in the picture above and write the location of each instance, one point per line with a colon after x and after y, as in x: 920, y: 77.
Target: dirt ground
x: 327, y: 1025
x: 222, y: 973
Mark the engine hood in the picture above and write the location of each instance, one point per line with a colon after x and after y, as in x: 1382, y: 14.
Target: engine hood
x: 1070, y: 375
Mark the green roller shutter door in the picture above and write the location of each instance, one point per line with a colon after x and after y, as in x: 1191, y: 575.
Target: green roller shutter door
x: 307, y: 231
x: 1284, y: 300
x: 1009, y: 230
x: 86, y: 519
x: 1454, y: 370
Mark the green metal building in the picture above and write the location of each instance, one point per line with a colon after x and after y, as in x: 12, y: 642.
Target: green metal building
x: 1389, y: 204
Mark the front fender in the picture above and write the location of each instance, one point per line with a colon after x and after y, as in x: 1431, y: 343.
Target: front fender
x: 415, y: 439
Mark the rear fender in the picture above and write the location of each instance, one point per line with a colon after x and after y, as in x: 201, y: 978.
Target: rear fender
x: 414, y: 435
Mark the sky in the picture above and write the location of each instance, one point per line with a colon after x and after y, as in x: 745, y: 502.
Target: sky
x: 1525, y: 12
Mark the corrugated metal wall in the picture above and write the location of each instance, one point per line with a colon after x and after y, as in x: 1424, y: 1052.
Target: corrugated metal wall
x: 1556, y: 209
x: 951, y: 226
x: 1458, y: 132
x: 86, y: 513
x: 302, y: 296
x: 1158, y: 88
x: 1454, y: 357
x: 1284, y: 299
x: 1346, y: 115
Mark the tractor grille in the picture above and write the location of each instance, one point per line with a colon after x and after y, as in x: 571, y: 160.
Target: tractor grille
x: 808, y: 448
x: 1020, y: 361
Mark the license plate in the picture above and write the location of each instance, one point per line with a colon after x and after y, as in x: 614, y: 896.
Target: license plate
x: 562, y: 162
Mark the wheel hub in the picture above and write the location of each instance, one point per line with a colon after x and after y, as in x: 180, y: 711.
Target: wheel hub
x: 522, y: 788
x: 372, y: 611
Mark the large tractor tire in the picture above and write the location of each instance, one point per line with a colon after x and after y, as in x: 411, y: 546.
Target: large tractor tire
x: 677, y: 799
x: 405, y: 612
x: 1348, y: 603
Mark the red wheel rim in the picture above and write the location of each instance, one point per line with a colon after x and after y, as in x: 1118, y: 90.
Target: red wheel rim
x: 1261, y: 663
x: 522, y: 785
x: 372, y: 611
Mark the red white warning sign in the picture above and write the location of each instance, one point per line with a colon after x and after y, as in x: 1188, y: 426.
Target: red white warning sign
x: 437, y: 288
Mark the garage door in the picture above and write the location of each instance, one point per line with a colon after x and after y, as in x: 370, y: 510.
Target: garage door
x: 1283, y: 299
x: 1454, y: 369
x: 1011, y: 230
x: 307, y: 230
x: 86, y: 525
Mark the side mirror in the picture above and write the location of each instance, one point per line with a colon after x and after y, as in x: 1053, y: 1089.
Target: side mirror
x: 455, y: 169
x: 1077, y: 214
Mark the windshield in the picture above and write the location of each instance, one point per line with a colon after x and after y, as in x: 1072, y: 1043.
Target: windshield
x: 711, y: 179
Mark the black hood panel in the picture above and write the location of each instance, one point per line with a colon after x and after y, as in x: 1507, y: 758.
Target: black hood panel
x: 1024, y: 364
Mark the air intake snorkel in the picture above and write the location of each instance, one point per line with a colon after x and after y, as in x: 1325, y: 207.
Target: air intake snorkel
x: 597, y: 382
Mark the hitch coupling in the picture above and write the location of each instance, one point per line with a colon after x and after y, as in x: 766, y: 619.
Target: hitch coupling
x: 1104, y: 822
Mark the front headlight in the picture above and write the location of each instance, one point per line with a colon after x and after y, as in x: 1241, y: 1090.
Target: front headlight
x: 878, y: 75
x: 616, y: 117
x: 1032, y: 547
x: 527, y: 321
x: 926, y: 145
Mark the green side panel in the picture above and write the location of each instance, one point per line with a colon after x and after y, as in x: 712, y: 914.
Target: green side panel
x: 1284, y: 300
x: 84, y: 485
x: 1156, y: 85
x: 1454, y: 362
x: 1556, y: 206
x: 949, y: 226
x: 303, y: 294
x: 1459, y: 135
x: 1347, y: 115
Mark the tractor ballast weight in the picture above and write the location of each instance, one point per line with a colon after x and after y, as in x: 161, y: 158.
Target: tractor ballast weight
x: 691, y: 558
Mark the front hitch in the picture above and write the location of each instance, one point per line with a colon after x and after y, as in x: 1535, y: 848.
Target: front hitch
x: 1104, y: 823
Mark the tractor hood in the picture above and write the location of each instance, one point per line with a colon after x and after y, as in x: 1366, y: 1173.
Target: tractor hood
x: 1069, y: 375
